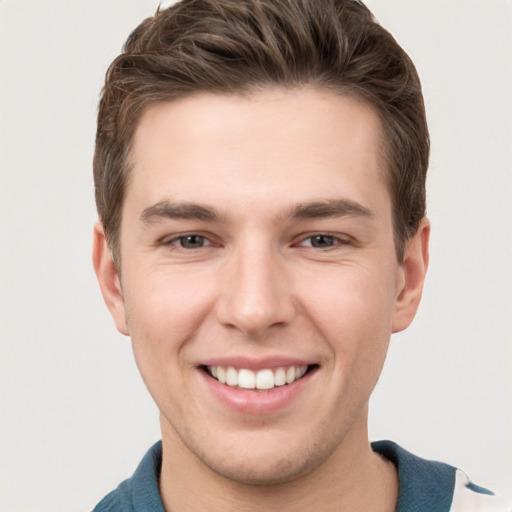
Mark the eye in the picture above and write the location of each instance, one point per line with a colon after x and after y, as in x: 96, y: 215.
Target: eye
x: 191, y: 241
x: 320, y: 241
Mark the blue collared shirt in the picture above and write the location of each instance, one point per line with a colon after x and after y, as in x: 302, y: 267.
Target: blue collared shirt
x: 425, y: 486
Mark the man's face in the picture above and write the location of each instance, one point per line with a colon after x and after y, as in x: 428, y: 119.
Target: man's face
x: 256, y: 245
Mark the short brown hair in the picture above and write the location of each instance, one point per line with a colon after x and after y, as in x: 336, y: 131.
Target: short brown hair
x: 239, y: 46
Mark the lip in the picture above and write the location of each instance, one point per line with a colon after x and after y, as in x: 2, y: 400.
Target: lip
x: 256, y: 402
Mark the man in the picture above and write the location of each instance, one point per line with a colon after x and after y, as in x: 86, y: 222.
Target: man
x: 260, y: 181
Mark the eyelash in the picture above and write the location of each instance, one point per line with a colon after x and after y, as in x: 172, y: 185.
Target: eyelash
x: 331, y: 240
x: 178, y: 241
x: 334, y: 241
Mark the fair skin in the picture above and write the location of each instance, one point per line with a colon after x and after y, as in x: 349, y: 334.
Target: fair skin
x: 257, y: 235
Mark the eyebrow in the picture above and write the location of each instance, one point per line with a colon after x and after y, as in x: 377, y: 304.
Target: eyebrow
x: 302, y: 211
x: 329, y: 208
x: 167, y: 210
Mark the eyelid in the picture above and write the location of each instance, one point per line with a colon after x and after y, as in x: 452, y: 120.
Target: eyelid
x: 339, y: 239
x: 176, y: 237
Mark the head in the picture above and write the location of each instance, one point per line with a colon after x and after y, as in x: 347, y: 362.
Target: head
x: 260, y: 173
x: 241, y: 47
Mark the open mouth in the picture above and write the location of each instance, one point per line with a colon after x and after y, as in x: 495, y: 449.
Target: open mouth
x: 264, y: 379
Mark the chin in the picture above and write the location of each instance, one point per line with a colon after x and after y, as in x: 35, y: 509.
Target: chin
x: 264, y: 474
x: 269, y: 467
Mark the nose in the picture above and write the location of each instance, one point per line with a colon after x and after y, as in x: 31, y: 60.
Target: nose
x: 256, y: 292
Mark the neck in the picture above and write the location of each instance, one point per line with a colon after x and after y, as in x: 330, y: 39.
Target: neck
x: 353, y: 478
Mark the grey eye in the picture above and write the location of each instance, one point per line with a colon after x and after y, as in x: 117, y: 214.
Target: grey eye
x: 192, y: 241
x: 322, y: 241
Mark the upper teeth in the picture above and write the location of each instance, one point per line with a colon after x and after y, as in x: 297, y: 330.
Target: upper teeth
x: 262, y: 379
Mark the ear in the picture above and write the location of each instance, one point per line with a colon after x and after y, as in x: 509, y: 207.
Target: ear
x: 412, y: 276
x: 108, y: 279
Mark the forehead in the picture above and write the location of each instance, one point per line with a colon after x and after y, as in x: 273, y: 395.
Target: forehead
x: 275, y: 144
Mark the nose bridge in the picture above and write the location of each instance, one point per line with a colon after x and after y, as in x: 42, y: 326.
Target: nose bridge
x: 256, y: 294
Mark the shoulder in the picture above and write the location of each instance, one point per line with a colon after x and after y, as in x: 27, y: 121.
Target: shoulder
x: 427, y: 485
x: 140, y: 492
x: 116, y: 501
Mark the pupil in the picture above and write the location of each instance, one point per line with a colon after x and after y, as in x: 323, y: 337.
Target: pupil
x: 192, y: 241
x: 322, y: 241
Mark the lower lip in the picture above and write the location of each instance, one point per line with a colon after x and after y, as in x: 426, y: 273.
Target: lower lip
x: 256, y: 402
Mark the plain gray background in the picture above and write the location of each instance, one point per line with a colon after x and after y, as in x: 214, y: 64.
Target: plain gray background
x: 75, y: 418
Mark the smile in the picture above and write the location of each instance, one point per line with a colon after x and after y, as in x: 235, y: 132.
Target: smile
x: 262, y: 379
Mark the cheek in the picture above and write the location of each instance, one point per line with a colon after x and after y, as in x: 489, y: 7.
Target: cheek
x: 353, y: 309
x: 164, y: 310
x: 164, y: 314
